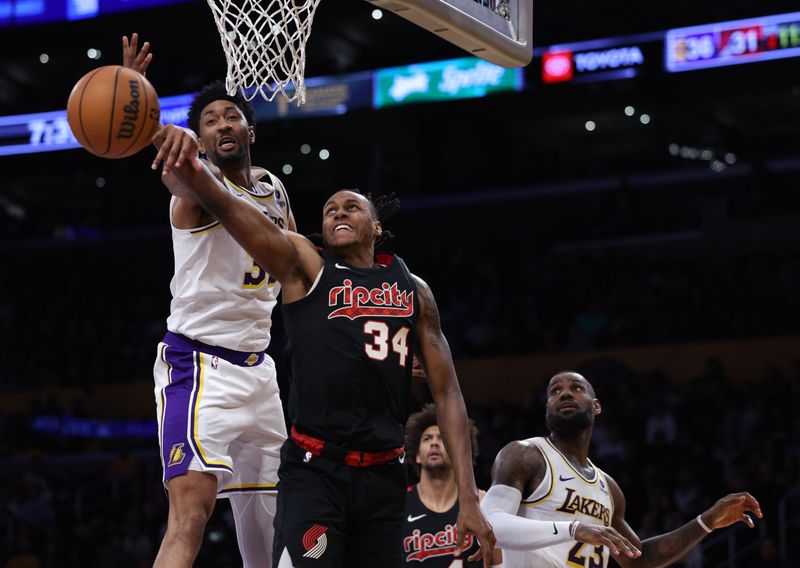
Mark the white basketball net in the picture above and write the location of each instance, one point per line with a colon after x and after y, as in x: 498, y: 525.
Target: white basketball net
x: 265, y: 45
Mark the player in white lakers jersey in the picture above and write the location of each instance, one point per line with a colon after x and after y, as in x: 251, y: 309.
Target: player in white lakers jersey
x: 220, y: 417
x: 552, y: 479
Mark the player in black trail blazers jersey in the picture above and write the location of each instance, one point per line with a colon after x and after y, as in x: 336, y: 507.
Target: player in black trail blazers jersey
x: 432, y: 504
x: 353, y: 325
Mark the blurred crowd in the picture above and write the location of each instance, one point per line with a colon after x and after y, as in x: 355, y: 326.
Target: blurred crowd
x: 673, y: 448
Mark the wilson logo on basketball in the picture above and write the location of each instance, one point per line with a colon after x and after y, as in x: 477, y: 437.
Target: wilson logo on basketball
x: 387, y: 301
x: 131, y: 110
x: 315, y: 541
x: 420, y: 546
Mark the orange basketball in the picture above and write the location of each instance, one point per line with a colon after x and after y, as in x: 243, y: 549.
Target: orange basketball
x: 113, y: 111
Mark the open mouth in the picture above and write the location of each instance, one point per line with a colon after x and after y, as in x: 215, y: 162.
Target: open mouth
x: 226, y: 143
x: 342, y: 227
x: 568, y: 406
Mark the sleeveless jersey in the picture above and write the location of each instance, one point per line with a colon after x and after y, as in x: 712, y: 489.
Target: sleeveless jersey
x: 220, y: 296
x: 564, y: 495
x: 349, y: 344
x: 429, y: 538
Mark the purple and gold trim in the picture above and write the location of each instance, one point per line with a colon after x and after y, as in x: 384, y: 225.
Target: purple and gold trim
x: 250, y: 488
x: 239, y: 358
x: 197, y: 394
x: 206, y: 229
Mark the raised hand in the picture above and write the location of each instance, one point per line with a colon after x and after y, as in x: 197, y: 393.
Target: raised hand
x: 130, y: 58
x: 730, y: 509
x: 609, y: 537
x: 175, y: 145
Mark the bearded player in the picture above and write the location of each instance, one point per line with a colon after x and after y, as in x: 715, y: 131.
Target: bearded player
x: 552, y: 479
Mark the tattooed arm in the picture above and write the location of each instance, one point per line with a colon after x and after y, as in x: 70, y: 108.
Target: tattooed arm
x: 667, y: 548
x: 518, y: 470
x: 434, y: 353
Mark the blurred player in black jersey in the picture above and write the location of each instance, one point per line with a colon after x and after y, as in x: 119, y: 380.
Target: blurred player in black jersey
x: 432, y: 504
x: 354, y: 322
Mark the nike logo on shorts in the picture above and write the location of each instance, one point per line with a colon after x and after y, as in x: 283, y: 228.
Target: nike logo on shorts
x: 418, y: 517
x: 555, y: 529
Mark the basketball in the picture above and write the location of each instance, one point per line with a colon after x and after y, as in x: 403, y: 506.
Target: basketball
x: 113, y: 111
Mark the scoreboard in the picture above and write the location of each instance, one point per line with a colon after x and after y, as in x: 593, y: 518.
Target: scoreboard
x: 733, y: 43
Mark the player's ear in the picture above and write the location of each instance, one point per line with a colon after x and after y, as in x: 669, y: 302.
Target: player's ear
x: 598, y: 409
x: 252, y: 136
x: 378, y: 229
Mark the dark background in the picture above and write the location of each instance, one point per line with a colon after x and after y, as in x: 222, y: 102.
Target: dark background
x: 537, y: 237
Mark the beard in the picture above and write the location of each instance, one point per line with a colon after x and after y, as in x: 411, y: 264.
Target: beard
x: 570, y: 426
x: 231, y: 159
x: 437, y: 468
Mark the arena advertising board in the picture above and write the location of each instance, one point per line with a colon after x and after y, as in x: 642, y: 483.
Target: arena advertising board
x: 463, y: 78
x: 733, y: 43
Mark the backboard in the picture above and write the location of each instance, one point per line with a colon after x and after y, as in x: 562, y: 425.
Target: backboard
x: 495, y: 30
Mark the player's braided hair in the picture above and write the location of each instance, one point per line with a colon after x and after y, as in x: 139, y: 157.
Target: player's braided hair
x: 215, y: 92
x: 420, y: 421
x: 383, y: 207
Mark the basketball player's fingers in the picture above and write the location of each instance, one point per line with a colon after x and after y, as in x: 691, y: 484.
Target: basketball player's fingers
x: 168, y: 152
x: 145, y: 64
x: 747, y: 520
x: 196, y: 163
x: 134, y: 45
x: 606, y: 541
x: 143, y: 58
x: 486, y: 543
x: 753, y: 504
x: 173, y: 158
x: 187, y: 152
x: 126, y: 52
x: 163, y: 140
x: 614, y: 541
x: 627, y: 546
x: 461, y: 536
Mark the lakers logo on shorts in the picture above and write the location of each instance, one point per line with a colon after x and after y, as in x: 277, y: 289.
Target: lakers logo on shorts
x: 176, y: 455
x: 252, y: 360
x: 315, y: 541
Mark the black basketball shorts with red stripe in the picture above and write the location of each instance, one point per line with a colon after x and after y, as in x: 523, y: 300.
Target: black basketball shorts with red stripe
x: 333, y: 515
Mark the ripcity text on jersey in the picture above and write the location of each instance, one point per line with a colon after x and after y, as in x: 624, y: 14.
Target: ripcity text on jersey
x: 350, y: 344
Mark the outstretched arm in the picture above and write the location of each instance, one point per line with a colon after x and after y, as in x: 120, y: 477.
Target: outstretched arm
x: 287, y: 256
x: 452, y: 417
x: 667, y: 548
x: 518, y: 469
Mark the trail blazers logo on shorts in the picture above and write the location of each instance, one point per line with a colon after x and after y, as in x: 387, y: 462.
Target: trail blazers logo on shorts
x: 315, y: 541
x: 176, y: 455
x: 387, y: 301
